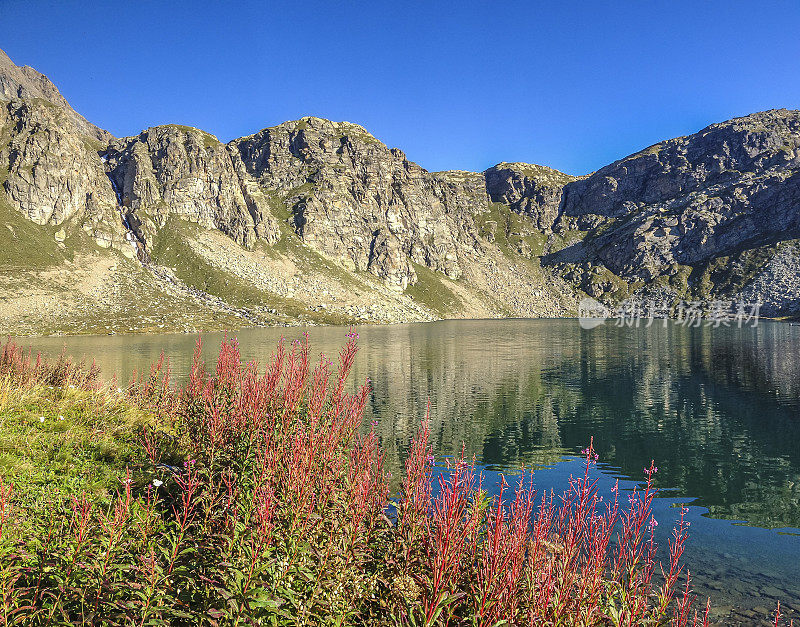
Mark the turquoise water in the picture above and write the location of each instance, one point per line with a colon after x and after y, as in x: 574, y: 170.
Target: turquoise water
x: 717, y: 409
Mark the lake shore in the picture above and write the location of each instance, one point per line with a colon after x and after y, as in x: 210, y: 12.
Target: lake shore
x: 160, y: 467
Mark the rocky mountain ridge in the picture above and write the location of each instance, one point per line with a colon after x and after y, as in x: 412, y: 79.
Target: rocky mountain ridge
x: 25, y: 83
x: 314, y: 220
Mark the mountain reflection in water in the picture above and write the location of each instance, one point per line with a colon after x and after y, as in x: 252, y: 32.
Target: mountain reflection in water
x: 718, y: 409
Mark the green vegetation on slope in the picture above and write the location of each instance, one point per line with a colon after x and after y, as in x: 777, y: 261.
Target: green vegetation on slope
x: 431, y: 292
x: 66, y: 439
x: 25, y: 245
x: 511, y: 232
x: 730, y: 274
x: 171, y: 249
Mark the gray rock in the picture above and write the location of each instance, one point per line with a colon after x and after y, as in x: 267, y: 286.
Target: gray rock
x: 532, y: 190
x: 777, y: 284
x: 348, y: 195
x: 716, y: 213
x: 53, y: 173
x: 178, y: 170
x: 688, y: 200
x: 25, y: 83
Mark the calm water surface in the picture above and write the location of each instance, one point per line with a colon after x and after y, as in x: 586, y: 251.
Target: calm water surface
x: 717, y: 409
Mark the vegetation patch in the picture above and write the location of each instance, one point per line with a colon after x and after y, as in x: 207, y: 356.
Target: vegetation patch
x: 171, y: 249
x: 510, y: 232
x: 291, y: 246
x: 30, y: 246
x: 26, y: 245
x: 255, y: 496
x: 67, y: 439
x: 431, y: 292
x: 563, y: 239
x: 655, y: 149
x: 676, y: 279
x: 732, y: 273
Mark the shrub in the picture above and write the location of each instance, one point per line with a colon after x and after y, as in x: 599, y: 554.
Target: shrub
x: 18, y: 367
x: 257, y: 499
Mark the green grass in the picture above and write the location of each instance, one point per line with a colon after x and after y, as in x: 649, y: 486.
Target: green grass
x: 343, y: 130
x: 620, y: 289
x: 309, y: 260
x: 67, y: 440
x: 511, y: 232
x: 25, y: 245
x: 348, y: 130
x: 290, y: 245
x: 606, y: 226
x: 677, y: 280
x: 565, y: 238
x: 171, y: 249
x: 305, y: 190
x: 500, y: 224
x: 93, y: 145
x: 650, y: 150
x: 431, y: 292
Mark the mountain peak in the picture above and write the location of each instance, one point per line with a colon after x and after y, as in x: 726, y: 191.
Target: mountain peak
x: 540, y: 174
x: 26, y: 83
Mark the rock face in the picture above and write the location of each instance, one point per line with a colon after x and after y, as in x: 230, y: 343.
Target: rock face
x: 357, y: 201
x: 732, y: 186
x: 342, y: 191
x: 182, y: 171
x: 25, y: 83
x: 708, y: 215
x: 52, y: 174
x: 777, y: 283
x: 50, y: 169
x: 534, y: 191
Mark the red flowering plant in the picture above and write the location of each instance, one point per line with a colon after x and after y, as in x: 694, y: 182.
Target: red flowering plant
x: 256, y: 496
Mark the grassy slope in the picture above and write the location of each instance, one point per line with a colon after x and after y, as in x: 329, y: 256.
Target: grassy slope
x: 430, y: 291
x: 171, y: 249
x: 84, y: 443
x: 511, y: 231
x: 28, y: 246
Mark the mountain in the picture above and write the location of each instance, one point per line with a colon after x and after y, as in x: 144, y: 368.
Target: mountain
x: 712, y: 215
x: 319, y: 221
x: 25, y: 83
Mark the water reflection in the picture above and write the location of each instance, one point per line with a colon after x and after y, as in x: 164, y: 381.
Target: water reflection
x: 716, y: 408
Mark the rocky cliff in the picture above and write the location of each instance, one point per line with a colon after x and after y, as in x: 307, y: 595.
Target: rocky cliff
x: 25, y: 83
x: 51, y: 173
x: 319, y: 220
x: 676, y: 208
x: 185, y: 172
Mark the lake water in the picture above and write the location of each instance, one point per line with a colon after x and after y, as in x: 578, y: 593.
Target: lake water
x: 717, y: 409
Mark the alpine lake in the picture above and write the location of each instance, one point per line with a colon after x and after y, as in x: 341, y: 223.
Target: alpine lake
x: 716, y: 408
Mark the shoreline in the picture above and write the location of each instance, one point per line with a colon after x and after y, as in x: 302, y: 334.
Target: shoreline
x: 791, y: 320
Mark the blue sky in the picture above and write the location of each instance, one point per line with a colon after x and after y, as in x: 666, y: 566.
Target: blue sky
x: 460, y: 85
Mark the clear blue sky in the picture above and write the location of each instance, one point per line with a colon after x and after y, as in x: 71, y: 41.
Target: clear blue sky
x: 460, y: 85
